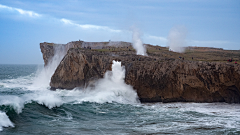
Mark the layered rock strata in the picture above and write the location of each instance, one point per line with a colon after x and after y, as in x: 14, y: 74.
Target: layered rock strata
x: 156, y: 79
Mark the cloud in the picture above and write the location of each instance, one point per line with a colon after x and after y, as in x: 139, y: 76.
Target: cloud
x: 21, y: 11
x: 63, y: 20
x: 88, y: 26
x: 29, y: 13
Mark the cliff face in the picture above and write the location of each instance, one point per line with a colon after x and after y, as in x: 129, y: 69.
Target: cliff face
x: 177, y: 80
x: 156, y: 79
x: 79, y: 67
x: 49, y: 49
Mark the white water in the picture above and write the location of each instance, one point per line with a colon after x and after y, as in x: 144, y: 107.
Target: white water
x: 4, y: 121
x: 44, y: 75
x: 111, y: 88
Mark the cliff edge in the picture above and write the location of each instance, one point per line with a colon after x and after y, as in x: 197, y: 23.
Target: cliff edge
x: 158, y: 77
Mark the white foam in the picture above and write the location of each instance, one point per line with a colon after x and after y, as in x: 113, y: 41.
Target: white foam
x: 5, y: 121
x: 44, y: 97
x: 203, y: 114
x: 44, y: 76
x: 14, y: 101
x: 111, y: 88
x: 20, y: 82
x: 35, y: 87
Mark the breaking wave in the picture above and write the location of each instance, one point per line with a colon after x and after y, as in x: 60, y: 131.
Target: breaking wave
x: 111, y: 88
x: 4, y: 121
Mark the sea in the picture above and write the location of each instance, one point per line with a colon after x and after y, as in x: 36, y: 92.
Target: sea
x: 28, y: 107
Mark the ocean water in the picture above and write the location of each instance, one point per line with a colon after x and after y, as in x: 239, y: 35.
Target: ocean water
x: 27, y: 107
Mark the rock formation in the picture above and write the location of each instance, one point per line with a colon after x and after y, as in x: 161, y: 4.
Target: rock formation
x: 155, y: 78
x: 49, y: 49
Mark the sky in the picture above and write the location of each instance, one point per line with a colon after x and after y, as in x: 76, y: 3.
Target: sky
x: 24, y: 24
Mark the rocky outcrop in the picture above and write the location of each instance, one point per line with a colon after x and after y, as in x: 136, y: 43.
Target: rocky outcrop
x: 77, y: 69
x: 156, y: 79
x: 49, y: 49
x: 180, y: 81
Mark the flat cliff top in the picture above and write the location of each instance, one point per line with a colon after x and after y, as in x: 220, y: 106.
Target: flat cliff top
x: 191, y: 53
x: 197, y: 54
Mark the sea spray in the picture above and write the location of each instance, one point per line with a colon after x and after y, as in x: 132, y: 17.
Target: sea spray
x: 35, y: 88
x: 44, y: 75
x: 16, y: 102
x: 176, y: 39
x: 111, y: 88
x: 137, y: 42
x: 5, y: 121
x: 108, y: 118
x: 35, y: 85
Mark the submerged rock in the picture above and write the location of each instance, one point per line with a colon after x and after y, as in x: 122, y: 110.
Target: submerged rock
x: 155, y: 78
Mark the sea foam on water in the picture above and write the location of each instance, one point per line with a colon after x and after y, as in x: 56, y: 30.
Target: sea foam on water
x: 111, y: 88
x: 4, y: 121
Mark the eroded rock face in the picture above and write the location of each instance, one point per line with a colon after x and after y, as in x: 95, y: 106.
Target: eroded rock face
x: 156, y: 79
x: 47, y: 51
x: 176, y: 80
x: 79, y: 67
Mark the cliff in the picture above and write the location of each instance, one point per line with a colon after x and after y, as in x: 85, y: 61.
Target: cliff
x: 158, y: 77
x: 49, y: 49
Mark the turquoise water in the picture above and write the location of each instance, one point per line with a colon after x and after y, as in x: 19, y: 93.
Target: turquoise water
x: 27, y: 106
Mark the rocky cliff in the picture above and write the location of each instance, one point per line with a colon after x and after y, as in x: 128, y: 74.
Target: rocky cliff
x: 49, y: 49
x: 156, y: 78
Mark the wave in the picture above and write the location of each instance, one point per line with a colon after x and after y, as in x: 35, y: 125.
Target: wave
x: 111, y: 88
x: 17, y: 92
x: 5, y: 121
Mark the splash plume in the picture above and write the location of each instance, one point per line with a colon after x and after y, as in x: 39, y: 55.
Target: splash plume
x: 176, y: 39
x: 137, y: 42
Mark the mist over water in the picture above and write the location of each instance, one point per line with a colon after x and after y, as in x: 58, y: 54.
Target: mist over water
x: 137, y: 42
x: 177, y: 39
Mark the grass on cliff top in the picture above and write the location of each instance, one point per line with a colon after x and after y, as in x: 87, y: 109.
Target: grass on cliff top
x: 197, y: 53
x: 191, y: 53
x: 115, y: 49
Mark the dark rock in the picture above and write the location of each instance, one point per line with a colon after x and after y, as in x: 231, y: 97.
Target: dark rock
x: 156, y: 79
